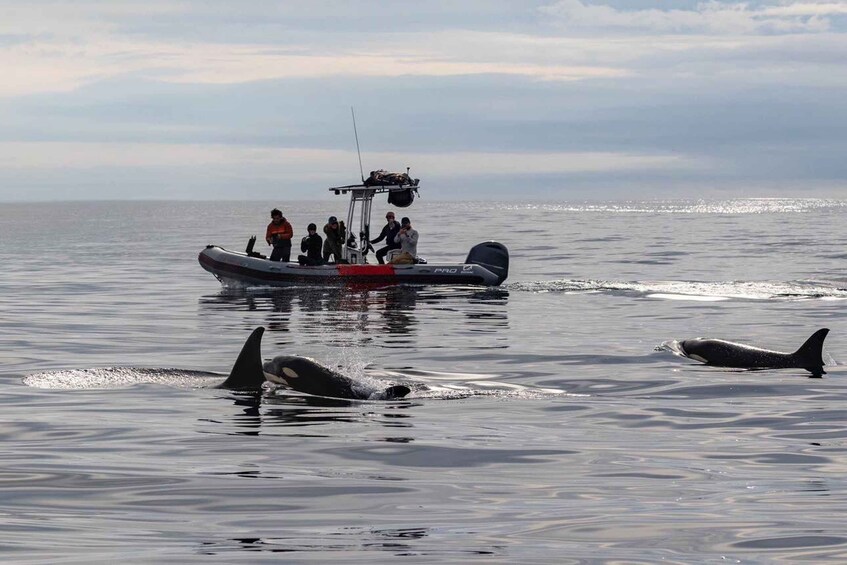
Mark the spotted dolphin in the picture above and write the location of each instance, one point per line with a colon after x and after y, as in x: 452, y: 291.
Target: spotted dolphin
x: 301, y: 374
x: 721, y: 353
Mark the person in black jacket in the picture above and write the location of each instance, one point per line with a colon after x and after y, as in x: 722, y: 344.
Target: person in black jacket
x: 311, y: 245
x: 388, y: 233
x: 335, y: 240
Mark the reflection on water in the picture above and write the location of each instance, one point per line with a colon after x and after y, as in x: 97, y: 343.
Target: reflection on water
x: 397, y: 316
x: 261, y: 413
x: 250, y: 420
x: 401, y: 542
x: 390, y: 313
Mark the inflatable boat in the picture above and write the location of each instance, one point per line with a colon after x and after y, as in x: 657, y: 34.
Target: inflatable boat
x: 487, y: 264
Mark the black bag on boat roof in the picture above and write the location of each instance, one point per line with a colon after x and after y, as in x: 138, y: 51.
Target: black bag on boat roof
x: 402, y: 198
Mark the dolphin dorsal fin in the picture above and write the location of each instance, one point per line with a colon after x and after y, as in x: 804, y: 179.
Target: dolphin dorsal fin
x: 247, y: 373
x: 810, y: 354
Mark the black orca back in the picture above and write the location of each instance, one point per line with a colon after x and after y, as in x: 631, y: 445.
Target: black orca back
x: 723, y: 353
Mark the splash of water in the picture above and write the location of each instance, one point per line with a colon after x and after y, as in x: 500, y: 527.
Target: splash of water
x: 121, y: 377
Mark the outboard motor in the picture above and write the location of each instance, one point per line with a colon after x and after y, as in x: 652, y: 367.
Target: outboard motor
x: 493, y: 256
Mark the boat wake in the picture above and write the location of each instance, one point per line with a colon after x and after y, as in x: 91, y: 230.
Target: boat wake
x: 437, y: 385
x: 693, y: 290
x: 718, y: 207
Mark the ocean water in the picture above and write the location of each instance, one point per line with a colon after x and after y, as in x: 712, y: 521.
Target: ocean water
x: 554, y: 428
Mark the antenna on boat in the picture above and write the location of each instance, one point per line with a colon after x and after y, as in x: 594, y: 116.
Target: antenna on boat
x: 356, y: 133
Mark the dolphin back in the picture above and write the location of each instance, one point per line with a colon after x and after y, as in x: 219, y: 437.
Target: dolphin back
x: 247, y: 373
x: 810, y: 354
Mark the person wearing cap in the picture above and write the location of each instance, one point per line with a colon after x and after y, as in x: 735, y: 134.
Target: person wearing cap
x: 388, y: 233
x: 334, y: 242
x: 311, y: 245
x: 407, y: 238
x: 279, y: 234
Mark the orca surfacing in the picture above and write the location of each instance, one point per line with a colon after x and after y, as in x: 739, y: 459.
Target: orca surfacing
x: 309, y: 376
x: 722, y: 353
x: 301, y: 374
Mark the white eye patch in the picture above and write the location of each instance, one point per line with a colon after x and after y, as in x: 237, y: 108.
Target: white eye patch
x: 270, y: 377
x: 290, y: 373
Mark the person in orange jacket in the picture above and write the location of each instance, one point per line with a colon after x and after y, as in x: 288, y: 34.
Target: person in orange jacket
x: 279, y: 235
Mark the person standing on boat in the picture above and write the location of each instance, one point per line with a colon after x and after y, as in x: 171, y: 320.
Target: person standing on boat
x: 279, y: 235
x: 388, y: 233
x: 311, y: 245
x: 334, y: 242
x: 407, y: 237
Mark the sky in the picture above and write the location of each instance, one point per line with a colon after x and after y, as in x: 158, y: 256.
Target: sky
x: 499, y: 99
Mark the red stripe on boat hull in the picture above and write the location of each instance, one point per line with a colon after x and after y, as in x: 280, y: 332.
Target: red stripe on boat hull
x: 366, y: 270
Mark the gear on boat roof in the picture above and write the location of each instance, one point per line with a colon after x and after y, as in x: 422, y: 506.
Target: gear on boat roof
x: 381, y: 177
x: 382, y: 181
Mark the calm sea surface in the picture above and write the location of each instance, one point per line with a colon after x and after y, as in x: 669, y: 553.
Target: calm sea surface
x: 553, y: 431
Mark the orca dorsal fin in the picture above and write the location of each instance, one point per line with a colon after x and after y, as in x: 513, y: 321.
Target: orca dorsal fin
x: 247, y: 372
x: 810, y: 354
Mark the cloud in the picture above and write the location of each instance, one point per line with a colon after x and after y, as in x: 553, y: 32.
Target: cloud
x: 712, y: 17
x: 45, y: 65
x: 800, y: 9
x: 71, y: 171
x: 64, y: 49
x: 194, y: 95
x: 73, y: 155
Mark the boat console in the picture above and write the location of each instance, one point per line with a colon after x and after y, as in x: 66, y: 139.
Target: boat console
x: 401, y: 190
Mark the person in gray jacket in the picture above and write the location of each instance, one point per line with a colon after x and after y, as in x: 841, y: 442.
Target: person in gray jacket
x: 408, y: 240
x: 388, y: 233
